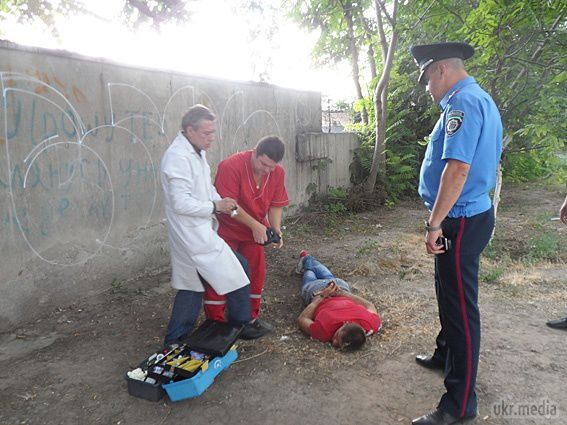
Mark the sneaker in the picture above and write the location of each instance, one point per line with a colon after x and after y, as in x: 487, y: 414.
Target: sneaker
x: 256, y: 329
x: 558, y: 324
x: 299, y: 267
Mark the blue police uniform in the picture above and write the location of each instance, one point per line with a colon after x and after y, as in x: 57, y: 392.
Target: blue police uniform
x: 469, y: 130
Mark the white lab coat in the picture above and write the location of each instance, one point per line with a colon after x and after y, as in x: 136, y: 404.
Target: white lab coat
x: 192, y: 227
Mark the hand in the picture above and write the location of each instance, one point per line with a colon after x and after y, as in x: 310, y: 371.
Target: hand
x: 331, y: 290
x: 430, y: 242
x: 259, y: 234
x: 280, y: 243
x: 563, y: 212
x: 225, y: 205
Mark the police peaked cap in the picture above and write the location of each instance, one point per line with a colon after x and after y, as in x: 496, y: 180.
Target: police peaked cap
x: 426, y: 54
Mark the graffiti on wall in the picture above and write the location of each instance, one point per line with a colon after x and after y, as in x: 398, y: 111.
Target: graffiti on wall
x: 77, y: 175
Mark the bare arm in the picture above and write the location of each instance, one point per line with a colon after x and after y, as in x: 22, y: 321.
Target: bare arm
x: 305, y: 319
x: 452, y: 181
x: 275, y: 219
x: 257, y: 228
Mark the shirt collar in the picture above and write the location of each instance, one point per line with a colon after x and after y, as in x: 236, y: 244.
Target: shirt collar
x: 195, y: 149
x: 458, y: 86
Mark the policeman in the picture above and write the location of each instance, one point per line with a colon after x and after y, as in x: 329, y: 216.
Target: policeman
x: 457, y: 174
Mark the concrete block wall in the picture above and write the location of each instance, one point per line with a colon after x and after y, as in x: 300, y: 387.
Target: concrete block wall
x: 80, y: 145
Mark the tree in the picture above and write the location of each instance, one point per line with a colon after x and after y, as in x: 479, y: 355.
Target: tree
x: 388, y: 48
x: 157, y: 12
x: 344, y: 30
x: 135, y: 12
x: 519, y: 59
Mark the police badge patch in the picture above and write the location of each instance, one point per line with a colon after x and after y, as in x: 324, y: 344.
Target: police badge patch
x: 454, y: 122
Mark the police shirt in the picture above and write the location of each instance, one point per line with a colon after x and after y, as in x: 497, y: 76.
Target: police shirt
x: 469, y: 130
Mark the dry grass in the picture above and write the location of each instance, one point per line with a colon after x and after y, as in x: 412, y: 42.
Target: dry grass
x: 382, y: 257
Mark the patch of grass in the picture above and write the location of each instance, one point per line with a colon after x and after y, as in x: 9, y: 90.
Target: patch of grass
x: 543, y: 247
x: 514, y: 291
x: 492, y: 274
x: 366, y: 248
x: 498, y: 250
x: 116, y: 287
x: 493, y: 250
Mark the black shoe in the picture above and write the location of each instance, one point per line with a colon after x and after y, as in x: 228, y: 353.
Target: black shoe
x: 558, y: 324
x: 429, y: 362
x: 256, y: 329
x: 438, y: 417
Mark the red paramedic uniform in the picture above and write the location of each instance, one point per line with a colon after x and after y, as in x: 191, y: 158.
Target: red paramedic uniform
x: 235, y: 179
x: 333, y: 312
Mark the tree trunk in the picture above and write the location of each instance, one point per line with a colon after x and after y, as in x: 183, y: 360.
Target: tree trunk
x: 380, y: 95
x: 371, y: 60
x: 347, y: 12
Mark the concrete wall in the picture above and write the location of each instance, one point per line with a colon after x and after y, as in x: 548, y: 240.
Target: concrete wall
x: 80, y: 145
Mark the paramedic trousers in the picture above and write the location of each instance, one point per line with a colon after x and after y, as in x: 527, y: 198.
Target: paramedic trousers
x: 254, y: 255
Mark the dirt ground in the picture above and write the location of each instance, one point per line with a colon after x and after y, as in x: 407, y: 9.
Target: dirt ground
x: 68, y: 367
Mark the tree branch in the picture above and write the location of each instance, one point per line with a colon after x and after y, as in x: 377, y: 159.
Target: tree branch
x: 383, y: 40
x: 386, y: 14
x: 537, y: 52
x: 452, y: 12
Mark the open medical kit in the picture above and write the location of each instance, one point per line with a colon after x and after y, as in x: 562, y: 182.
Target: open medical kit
x: 186, y: 370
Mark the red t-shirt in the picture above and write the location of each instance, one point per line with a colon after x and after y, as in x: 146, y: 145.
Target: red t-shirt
x: 235, y: 179
x: 333, y: 312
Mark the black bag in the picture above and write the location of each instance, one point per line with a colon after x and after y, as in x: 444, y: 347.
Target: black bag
x: 213, y: 337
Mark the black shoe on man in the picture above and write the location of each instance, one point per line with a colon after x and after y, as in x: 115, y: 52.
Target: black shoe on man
x: 430, y: 362
x: 558, y: 324
x: 439, y: 417
x: 256, y: 329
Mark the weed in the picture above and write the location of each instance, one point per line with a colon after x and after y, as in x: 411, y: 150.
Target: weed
x: 116, y: 287
x: 492, y: 275
x: 366, y: 248
x: 336, y: 208
x: 543, y: 247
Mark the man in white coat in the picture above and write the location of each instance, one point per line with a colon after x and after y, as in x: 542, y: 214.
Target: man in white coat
x: 199, y: 256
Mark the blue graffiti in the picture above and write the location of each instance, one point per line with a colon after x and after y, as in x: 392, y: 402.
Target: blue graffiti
x: 17, y: 119
x: 101, y: 208
x: 65, y: 118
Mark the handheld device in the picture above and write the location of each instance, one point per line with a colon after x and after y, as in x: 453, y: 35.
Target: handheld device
x: 444, y: 242
x: 273, y: 237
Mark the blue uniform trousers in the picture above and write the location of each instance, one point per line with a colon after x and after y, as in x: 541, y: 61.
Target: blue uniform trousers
x: 456, y: 285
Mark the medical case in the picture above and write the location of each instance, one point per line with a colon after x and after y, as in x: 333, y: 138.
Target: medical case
x: 186, y: 370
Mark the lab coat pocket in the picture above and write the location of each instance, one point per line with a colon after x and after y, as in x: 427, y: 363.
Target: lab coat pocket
x: 202, y: 239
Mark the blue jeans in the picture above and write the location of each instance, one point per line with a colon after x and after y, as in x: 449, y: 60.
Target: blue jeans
x: 316, y: 277
x: 187, y: 306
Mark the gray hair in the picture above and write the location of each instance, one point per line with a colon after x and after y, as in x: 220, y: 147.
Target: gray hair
x: 195, y: 116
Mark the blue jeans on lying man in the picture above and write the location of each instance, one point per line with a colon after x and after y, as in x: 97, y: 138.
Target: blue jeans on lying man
x: 316, y: 276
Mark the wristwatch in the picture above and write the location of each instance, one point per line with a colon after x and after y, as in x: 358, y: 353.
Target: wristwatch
x: 430, y: 228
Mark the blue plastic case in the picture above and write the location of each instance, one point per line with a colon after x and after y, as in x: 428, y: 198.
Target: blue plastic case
x: 215, y: 339
x: 195, y: 386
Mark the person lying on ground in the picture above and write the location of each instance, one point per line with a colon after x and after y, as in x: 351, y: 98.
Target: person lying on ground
x: 333, y: 314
